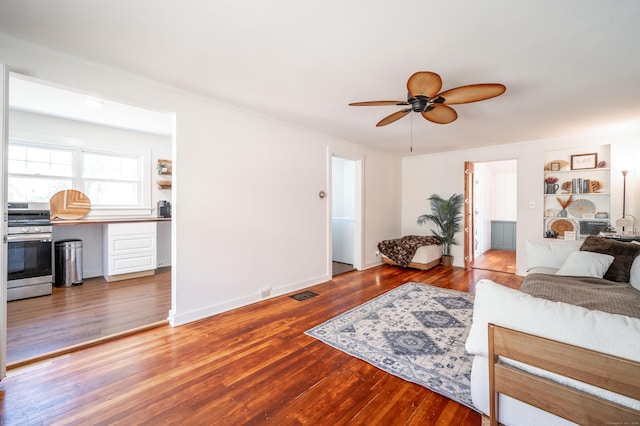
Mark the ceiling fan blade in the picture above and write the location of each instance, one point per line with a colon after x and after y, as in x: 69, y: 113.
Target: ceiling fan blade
x: 393, y: 117
x: 378, y: 103
x: 472, y: 93
x: 440, y: 114
x: 424, y: 83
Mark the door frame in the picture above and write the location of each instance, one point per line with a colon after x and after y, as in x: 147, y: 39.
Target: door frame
x: 4, y: 137
x: 469, y: 222
x: 359, y: 209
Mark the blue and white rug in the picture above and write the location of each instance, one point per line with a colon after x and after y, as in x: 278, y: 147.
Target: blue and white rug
x: 416, y: 332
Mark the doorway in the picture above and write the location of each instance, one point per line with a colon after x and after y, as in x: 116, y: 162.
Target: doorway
x: 490, y: 219
x: 345, y: 214
x: 40, y: 326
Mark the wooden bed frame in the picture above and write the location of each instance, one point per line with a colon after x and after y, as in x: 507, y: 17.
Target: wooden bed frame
x: 415, y: 265
x: 604, y: 371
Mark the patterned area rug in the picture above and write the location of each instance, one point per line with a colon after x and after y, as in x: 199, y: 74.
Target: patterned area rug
x: 416, y: 332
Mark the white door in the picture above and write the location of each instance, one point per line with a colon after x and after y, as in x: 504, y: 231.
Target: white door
x: 4, y: 112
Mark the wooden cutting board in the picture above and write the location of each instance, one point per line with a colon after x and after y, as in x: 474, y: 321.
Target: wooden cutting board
x: 69, y: 204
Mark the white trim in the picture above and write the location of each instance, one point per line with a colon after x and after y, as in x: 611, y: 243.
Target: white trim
x: 4, y: 144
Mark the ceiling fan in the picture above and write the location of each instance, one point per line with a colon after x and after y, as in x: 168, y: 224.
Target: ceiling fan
x: 423, y: 97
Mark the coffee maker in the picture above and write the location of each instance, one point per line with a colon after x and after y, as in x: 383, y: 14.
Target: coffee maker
x: 164, y: 208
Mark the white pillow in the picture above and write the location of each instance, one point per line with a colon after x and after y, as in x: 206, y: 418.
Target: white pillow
x: 586, y: 264
x: 550, y: 253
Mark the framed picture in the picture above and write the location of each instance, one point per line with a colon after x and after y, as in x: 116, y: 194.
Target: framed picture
x: 584, y: 161
x: 555, y: 166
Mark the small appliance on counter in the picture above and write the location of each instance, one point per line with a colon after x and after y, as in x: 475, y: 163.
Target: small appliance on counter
x: 164, y: 208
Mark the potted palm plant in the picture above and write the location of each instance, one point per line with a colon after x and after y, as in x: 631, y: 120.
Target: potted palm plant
x: 446, y: 215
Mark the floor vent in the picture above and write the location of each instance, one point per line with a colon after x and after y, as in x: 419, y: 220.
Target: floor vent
x: 304, y: 295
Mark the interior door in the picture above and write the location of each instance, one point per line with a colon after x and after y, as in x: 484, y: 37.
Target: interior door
x: 469, y: 225
x: 4, y: 111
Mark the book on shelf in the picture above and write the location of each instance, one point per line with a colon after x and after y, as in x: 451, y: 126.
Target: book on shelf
x: 580, y: 186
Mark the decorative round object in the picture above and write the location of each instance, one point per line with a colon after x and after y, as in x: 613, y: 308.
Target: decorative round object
x: 556, y: 165
x: 580, y: 206
x: 595, y: 185
x: 69, y: 204
x: 566, y: 186
x: 560, y: 226
x: 551, y: 212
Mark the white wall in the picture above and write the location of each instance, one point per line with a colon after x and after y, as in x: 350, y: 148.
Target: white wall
x: 245, y: 189
x: 443, y: 174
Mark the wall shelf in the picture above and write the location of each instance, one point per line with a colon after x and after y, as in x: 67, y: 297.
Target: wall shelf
x: 164, y: 167
x: 575, y: 180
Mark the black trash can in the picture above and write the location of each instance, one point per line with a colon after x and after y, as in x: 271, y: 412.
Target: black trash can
x: 68, y: 263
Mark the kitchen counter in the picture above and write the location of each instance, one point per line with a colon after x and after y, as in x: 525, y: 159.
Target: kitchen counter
x: 105, y: 221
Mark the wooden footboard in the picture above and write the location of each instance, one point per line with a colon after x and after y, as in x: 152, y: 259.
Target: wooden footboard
x: 604, y: 371
x: 415, y: 265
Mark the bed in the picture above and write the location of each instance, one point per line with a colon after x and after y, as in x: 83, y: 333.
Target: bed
x: 412, y: 251
x: 582, y: 315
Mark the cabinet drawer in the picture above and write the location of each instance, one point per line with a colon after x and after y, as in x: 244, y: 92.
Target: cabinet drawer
x: 115, y: 229
x: 125, y: 244
x: 131, y: 263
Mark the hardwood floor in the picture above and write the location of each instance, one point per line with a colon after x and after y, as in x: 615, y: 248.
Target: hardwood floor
x: 252, y: 365
x: 85, y: 313
x: 340, y: 268
x: 497, y: 260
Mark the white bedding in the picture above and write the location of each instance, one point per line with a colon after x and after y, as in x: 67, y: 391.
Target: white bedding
x: 608, y: 333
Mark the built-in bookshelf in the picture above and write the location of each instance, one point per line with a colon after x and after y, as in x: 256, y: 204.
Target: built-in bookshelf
x: 576, y: 192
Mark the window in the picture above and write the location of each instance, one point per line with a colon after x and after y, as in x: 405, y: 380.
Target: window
x: 110, y: 179
x: 36, y: 173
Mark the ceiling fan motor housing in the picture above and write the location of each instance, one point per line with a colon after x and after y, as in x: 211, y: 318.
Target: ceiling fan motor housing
x: 422, y: 103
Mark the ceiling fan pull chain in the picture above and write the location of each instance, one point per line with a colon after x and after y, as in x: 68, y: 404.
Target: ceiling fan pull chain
x: 411, y: 150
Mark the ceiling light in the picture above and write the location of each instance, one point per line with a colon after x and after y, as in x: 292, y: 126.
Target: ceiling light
x: 93, y: 103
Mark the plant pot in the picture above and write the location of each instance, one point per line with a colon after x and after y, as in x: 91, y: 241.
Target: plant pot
x: 447, y: 260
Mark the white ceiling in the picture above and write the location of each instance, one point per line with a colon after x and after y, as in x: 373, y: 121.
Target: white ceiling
x: 570, y: 66
x: 34, y: 96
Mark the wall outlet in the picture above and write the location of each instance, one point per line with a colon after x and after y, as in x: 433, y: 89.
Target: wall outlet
x: 265, y: 291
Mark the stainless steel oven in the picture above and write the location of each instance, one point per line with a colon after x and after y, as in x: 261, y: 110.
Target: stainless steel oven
x: 29, y: 251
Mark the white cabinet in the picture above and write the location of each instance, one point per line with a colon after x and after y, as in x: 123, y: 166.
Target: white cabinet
x: 129, y: 250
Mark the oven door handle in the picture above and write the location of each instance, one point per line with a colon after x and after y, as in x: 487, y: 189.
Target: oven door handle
x: 45, y: 238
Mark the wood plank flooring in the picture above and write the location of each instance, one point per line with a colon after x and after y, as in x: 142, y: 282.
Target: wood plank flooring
x: 340, y: 268
x: 496, y: 260
x: 252, y: 365
x: 79, y: 314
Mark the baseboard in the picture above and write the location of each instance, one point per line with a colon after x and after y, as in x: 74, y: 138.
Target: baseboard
x: 180, y: 318
x: 121, y: 277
